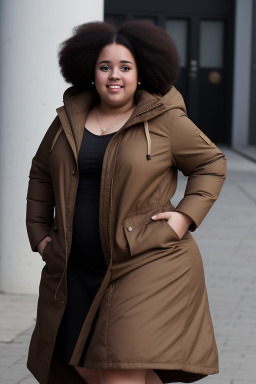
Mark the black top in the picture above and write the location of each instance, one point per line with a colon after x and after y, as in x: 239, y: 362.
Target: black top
x: 86, y: 251
x: 87, y: 266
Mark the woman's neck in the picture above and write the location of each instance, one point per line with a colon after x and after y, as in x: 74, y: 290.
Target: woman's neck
x: 105, y: 109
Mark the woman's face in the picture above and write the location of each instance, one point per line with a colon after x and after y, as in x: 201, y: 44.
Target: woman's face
x: 116, y: 76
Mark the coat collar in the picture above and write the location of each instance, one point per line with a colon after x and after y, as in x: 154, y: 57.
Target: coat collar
x: 78, y: 104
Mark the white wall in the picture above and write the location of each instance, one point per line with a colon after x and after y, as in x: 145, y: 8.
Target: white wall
x: 242, y: 73
x: 31, y: 90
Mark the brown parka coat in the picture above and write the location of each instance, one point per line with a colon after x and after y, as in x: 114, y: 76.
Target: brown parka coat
x: 152, y: 305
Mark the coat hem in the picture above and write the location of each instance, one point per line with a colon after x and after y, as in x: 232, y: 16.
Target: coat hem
x: 149, y: 365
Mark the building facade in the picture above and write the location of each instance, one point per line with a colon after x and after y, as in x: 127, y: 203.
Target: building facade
x: 217, y: 45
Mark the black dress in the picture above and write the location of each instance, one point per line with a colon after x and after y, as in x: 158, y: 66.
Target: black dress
x: 86, y: 266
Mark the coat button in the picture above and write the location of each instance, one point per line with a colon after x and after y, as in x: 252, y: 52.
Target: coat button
x: 55, y: 229
x: 73, y: 173
x: 129, y: 228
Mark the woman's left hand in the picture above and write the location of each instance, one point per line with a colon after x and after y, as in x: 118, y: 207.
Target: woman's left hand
x: 178, y: 221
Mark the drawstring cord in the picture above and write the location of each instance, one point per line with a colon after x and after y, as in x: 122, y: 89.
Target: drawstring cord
x: 56, y: 138
x: 148, y: 156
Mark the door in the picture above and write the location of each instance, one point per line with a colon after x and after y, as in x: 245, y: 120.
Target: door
x: 203, y: 34
x: 203, y: 78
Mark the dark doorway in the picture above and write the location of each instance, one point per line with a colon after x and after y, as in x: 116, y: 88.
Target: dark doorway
x: 203, y: 33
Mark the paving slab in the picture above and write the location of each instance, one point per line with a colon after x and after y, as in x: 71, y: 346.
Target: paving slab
x: 17, y: 313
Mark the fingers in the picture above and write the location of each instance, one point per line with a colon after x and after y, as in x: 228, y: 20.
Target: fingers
x: 162, y: 215
x: 41, y: 246
x: 177, y: 220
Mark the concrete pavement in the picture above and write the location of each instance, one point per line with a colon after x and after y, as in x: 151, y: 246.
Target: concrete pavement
x: 227, y: 240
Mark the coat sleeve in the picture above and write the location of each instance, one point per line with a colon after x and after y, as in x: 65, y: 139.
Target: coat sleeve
x: 40, y: 195
x: 197, y: 157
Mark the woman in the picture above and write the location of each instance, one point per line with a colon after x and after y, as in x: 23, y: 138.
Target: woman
x: 122, y: 295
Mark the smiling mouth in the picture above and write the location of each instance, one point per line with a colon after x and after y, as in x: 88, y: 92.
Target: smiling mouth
x: 114, y: 86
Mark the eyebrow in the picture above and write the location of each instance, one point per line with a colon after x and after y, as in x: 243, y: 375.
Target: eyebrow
x: 108, y: 61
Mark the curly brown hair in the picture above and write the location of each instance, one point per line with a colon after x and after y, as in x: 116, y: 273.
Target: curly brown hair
x: 155, y: 53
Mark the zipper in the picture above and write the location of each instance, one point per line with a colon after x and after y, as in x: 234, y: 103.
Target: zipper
x: 66, y: 244
x: 66, y: 255
x: 111, y: 199
x: 112, y: 180
x: 148, y: 110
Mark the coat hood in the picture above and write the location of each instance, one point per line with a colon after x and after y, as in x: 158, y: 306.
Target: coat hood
x: 148, y: 105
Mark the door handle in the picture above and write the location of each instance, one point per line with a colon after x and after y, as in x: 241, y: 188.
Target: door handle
x: 193, y: 69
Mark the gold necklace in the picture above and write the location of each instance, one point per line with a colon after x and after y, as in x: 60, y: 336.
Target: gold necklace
x: 103, y: 130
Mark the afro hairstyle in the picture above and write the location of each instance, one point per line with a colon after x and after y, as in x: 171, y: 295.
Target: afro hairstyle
x: 154, y: 51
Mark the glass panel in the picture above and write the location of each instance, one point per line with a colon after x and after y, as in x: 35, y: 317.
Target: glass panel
x: 211, y: 44
x: 177, y: 29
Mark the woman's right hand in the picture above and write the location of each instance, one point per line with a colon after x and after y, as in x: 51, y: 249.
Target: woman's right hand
x: 42, y: 244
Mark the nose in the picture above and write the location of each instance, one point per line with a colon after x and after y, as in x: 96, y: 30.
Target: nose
x: 114, y: 74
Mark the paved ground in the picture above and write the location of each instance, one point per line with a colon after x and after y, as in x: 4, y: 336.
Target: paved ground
x: 227, y: 240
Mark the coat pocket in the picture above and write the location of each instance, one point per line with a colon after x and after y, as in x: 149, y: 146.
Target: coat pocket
x: 169, y: 227
x: 45, y: 251
x: 146, y: 235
